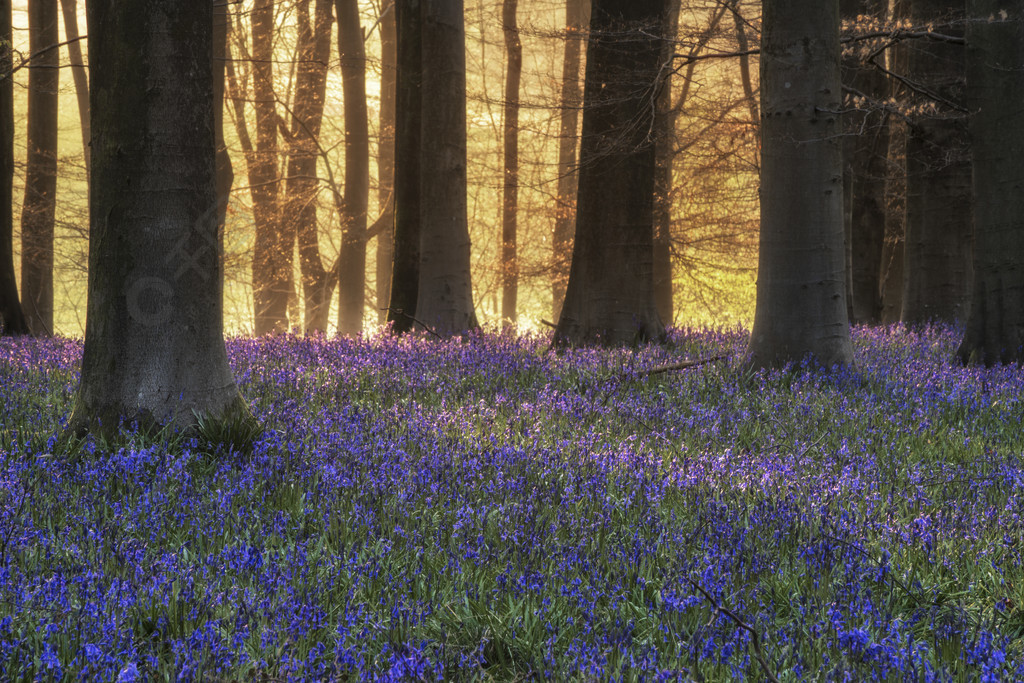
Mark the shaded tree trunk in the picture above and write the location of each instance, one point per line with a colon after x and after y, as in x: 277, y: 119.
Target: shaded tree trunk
x: 40, y: 205
x: 272, y: 252
x: 79, y: 75
x: 610, y: 295
x: 576, y: 21
x: 154, y: 350
x: 510, y: 199
x: 386, y: 159
x: 12, y: 320
x: 444, y: 301
x: 865, y: 149
x: 664, y: 158
x: 225, y: 173
x: 893, y: 257
x: 939, y: 231
x: 314, y: 49
x: 995, y: 91
x: 352, y: 267
x: 408, y: 100
x: 801, y: 294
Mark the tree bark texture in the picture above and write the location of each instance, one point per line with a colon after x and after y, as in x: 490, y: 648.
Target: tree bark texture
x: 352, y: 268
x: 510, y: 197
x: 444, y: 300
x: 939, y: 232
x: 408, y: 114
x: 386, y: 158
x: 576, y: 21
x: 610, y: 296
x: 995, y: 93
x: 12, y: 320
x: 272, y: 252
x: 801, y: 294
x: 865, y: 149
x: 40, y: 204
x: 664, y: 160
x: 154, y: 350
x: 314, y: 48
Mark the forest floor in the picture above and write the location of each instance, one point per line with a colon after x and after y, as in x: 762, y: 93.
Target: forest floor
x: 485, y: 509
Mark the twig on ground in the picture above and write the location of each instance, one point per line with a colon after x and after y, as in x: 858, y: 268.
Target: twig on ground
x: 422, y: 324
x: 758, y: 652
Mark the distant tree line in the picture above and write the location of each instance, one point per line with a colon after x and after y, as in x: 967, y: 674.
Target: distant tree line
x: 887, y: 146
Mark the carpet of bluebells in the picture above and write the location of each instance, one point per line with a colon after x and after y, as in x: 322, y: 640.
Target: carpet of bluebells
x: 487, y: 509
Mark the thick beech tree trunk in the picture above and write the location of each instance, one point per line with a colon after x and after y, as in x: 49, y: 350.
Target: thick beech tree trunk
x: 939, y: 231
x: 444, y: 301
x: 272, y: 251
x: 801, y: 294
x: 865, y: 148
x: 154, y: 350
x: 576, y: 21
x: 314, y: 49
x: 995, y: 91
x: 408, y: 98
x: 510, y: 198
x: 12, y: 320
x: 39, y: 207
x: 665, y: 155
x: 610, y: 296
x: 352, y: 268
x: 386, y: 159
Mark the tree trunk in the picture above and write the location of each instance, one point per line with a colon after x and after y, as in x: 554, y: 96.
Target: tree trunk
x: 408, y: 98
x: 154, y: 350
x: 272, y: 252
x: 939, y: 231
x: 664, y: 160
x: 386, y: 159
x: 801, y: 297
x: 40, y: 205
x: 893, y: 258
x: 444, y: 303
x: 510, y: 199
x: 610, y: 296
x: 576, y: 21
x: 352, y: 282
x: 12, y: 320
x: 314, y: 49
x: 865, y: 148
x: 78, y: 74
x: 225, y: 173
x: 995, y: 90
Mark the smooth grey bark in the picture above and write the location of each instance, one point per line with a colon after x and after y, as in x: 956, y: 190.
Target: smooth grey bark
x: 78, y: 74
x: 405, y: 275
x: 386, y: 159
x: 801, y: 294
x: 664, y: 161
x: 225, y: 172
x: 995, y: 93
x: 154, y: 350
x: 610, y: 296
x: 444, y: 301
x: 865, y: 149
x: 576, y: 21
x: 40, y: 204
x: 352, y: 265
x: 939, y: 231
x: 12, y: 320
x: 510, y: 196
